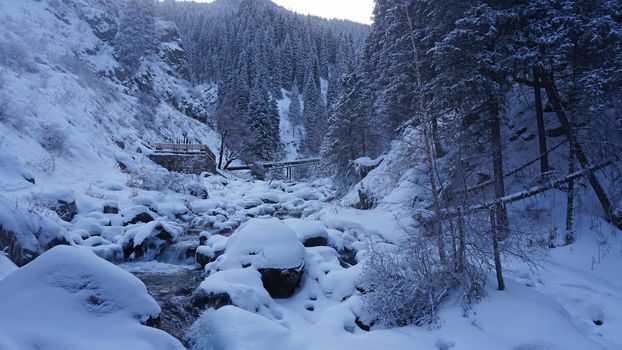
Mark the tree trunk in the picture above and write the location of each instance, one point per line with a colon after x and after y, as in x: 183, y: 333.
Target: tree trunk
x: 551, y: 92
x: 544, y: 158
x: 569, y: 237
x: 461, y: 243
x: 428, y: 144
x: 222, y: 151
x: 515, y: 197
x: 438, y: 227
x: 497, y: 165
x: 438, y: 147
x: 495, y: 250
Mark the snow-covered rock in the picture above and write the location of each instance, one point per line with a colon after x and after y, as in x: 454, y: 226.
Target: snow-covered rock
x: 311, y: 233
x: 204, y: 255
x: 147, y: 241
x: 272, y: 248
x: 26, y: 231
x: 241, y: 287
x: 70, y: 298
x: 264, y: 244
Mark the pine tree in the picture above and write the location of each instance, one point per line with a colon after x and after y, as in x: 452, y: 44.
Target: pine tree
x: 314, y: 118
x: 263, y: 122
x: 349, y: 130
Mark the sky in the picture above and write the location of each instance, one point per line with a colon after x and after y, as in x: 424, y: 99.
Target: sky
x: 354, y: 10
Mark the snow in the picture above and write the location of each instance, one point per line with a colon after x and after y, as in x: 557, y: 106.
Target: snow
x: 6, y: 266
x: 243, y: 286
x: 307, y: 228
x: 232, y: 328
x: 367, y: 162
x: 263, y: 243
x: 70, y: 298
x: 217, y: 242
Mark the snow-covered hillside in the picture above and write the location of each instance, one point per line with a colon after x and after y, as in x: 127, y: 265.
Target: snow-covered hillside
x: 68, y: 117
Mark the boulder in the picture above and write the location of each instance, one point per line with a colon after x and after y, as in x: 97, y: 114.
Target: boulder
x: 281, y: 283
x: 111, y: 208
x: 347, y: 257
x: 66, y: 210
x: 202, y: 300
x: 315, y: 242
x: 57, y: 241
x: 15, y: 250
x: 143, y: 217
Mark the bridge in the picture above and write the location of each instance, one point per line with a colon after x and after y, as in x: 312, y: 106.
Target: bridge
x: 288, y: 165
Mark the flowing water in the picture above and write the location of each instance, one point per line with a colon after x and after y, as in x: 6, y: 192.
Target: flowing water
x: 172, y: 290
x: 171, y: 281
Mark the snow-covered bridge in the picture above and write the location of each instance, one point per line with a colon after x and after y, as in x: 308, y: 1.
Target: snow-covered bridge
x: 288, y: 165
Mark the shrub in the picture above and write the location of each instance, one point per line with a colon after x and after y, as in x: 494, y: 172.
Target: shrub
x: 405, y: 285
x: 15, y: 57
x: 53, y: 138
x: 156, y: 180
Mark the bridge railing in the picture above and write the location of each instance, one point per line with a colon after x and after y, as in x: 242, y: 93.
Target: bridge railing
x: 185, y: 147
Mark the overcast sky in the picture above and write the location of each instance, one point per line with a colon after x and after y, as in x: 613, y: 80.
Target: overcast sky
x: 354, y: 10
